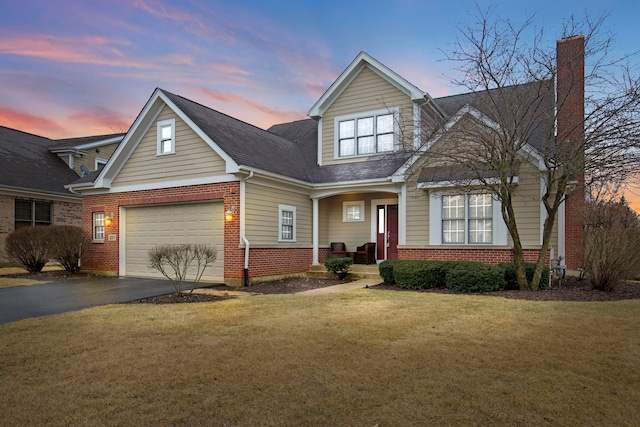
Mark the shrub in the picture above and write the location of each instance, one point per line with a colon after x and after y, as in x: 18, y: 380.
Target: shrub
x: 28, y: 246
x: 611, y: 244
x: 511, y: 281
x: 414, y: 274
x: 65, y: 245
x: 474, y: 277
x: 173, y: 261
x: 338, y: 266
x: 386, y: 270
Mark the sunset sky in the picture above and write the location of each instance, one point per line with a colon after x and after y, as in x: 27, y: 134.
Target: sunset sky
x: 75, y: 67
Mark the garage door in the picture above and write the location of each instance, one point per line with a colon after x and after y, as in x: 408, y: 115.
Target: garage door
x: 148, y: 226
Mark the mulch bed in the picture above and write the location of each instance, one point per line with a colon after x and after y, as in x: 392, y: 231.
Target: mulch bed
x: 181, y: 298
x: 52, y: 276
x: 569, y: 289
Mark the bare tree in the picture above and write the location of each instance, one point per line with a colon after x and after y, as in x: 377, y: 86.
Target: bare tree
x: 576, y: 116
x: 612, y: 243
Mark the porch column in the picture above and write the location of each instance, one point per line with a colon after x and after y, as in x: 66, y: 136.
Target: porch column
x: 315, y: 232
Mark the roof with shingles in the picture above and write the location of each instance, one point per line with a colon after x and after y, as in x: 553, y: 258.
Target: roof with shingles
x: 74, y: 142
x: 533, y: 103
x: 25, y: 162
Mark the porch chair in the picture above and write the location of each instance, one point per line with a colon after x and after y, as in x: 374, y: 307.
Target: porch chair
x: 366, y: 254
x: 338, y: 250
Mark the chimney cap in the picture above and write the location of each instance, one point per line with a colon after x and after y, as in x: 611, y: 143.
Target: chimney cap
x: 566, y: 39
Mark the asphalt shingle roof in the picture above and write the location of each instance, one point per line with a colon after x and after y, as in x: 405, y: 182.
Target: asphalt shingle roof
x: 25, y: 162
x: 535, y: 100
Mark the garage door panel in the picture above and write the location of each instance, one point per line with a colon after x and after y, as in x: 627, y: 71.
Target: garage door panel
x: 148, y: 226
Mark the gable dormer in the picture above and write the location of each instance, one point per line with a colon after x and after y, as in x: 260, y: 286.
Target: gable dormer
x: 368, y: 110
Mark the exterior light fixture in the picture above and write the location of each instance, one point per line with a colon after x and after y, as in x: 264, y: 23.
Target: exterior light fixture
x: 228, y: 215
x: 108, y: 219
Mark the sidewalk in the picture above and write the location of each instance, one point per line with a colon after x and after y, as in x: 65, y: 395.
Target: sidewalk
x: 356, y: 284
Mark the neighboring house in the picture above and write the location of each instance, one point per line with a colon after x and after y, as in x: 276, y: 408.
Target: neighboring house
x: 272, y: 201
x: 33, y: 178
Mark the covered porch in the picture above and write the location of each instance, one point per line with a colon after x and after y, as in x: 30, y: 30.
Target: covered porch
x: 356, y: 217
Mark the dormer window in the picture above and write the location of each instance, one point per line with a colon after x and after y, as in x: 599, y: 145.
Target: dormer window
x: 166, y: 137
x: 365, y: 134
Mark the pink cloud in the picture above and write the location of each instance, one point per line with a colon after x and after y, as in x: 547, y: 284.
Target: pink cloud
x: 27, y: 122
x: 210, y: 29
x: 267, y: 116
x: 101, y: 119
x: 80, y: 50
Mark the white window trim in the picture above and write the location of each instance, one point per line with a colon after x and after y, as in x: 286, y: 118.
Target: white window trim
x: 98, y: 162
x: 93, y: 219
x: 347, y: 205
x: 287, y: 208
x: 336, y: 130
x: 435, y: 223
x: 159, y: 126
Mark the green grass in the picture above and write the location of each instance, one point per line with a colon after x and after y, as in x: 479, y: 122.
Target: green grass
x: 358, y: 358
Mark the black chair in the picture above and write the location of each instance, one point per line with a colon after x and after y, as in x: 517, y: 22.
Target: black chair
x: 366, y: 254
x: 338, y: 250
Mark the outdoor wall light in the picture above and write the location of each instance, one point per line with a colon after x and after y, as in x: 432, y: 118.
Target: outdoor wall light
x: 108, y: 219
x: 228, y: 215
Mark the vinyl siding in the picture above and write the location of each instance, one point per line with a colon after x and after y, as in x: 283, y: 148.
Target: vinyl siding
x: 353, y: 234
x: 367, y: 92
x: 261, y: 220
x: 417, y: 214
x: 193, y: 158
x: 90, y: 159
x: 526, y: 206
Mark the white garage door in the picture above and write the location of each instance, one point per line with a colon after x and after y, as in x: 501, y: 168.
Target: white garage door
x: 148, y: 226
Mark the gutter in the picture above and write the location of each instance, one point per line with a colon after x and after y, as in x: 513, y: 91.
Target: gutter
x: 244, y: 237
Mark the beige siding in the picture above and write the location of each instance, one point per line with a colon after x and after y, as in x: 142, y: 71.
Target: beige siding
x: 353, y: 234
x: 367, y: 92
x: 193, y: 157
x: 261, y: 220
x: 526, y: 205
x: 89, y: 160
x: 417, y: 214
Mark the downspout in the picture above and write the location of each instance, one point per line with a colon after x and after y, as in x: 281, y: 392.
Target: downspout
x: 244, y: 237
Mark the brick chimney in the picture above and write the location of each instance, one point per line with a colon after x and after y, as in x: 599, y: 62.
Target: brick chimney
x: 570, y: 122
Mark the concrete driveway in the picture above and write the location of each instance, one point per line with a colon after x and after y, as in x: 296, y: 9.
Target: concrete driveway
x: 24, y: 302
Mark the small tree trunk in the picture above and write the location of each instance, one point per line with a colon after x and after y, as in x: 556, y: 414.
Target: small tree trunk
x: 518, y: 254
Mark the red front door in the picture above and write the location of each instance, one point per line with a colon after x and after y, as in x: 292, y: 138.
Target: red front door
x: 387, y: 232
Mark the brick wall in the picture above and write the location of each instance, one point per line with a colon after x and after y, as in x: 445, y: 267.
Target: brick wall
x: 63, y: 213
x: 487, y: 256
x: 104, y: 257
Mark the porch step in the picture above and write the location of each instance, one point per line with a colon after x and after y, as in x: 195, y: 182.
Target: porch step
x: 357, y: 271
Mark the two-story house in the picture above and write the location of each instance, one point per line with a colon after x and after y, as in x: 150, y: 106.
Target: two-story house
x: 272, y: 201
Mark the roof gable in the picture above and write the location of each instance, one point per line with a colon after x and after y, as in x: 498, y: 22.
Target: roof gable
x: 346, y: 77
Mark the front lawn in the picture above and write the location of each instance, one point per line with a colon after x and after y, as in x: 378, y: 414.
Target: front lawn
x: 358, y: 358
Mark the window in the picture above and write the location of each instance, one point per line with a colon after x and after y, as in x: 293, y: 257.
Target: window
x: 166, y: 137
x: 467, y: 219
x: 98, y: 226
x: 453, y: 219
x: 287, y: 223
x: 369, y: 134
x: 461, y: 219
x: 28, y: 213
x: 100, y: 163
x: 480, y: 218
x: 353, y: 211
